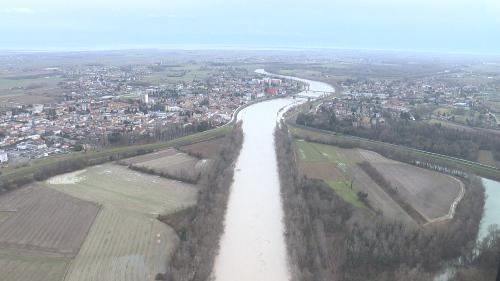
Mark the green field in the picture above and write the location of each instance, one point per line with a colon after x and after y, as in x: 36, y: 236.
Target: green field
x: 12, y: 83
x: 335, y: 175
x: 343, y: 189
x: 178, y: 74
x: 309, y: 151
x: 442, y: 110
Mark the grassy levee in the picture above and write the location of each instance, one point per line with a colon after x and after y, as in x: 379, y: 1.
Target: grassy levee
x: 13, y: 177
x: 393, y: 151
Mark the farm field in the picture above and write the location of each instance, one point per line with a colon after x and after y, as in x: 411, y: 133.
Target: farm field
x: 430, y: 193
x: 464, y: 127
x: 442, y: 110
x: 336, y: 166
x: 485, y: 157
x: 171, y: 163
x: 118, y: 186
x: 14, y: 266
x: 126, y: 241
x: 8, y: 83
x: 123, y: 246
x: 178, y: 74
x: 36, y: 89
x: 207, y: 149
x: 36, y: 223
x: 41, y: 229
x: 150, y: 156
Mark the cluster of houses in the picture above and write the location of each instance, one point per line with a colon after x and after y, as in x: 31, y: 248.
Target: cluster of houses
x: 103, y: 100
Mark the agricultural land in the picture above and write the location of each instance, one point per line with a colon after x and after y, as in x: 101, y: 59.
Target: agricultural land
x: 429, y: 193
x: 170, y: 163
x: 126, y: 242
x: 41, y: 230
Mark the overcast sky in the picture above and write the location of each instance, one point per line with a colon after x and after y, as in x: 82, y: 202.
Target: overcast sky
x: 435, y: 25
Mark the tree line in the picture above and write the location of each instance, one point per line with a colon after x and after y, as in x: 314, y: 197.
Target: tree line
x: 200, y: 228
x: 8, y: 182
x: 435, y: 138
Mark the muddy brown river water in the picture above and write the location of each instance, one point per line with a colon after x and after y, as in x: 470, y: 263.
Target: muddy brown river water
x: 253, y: 244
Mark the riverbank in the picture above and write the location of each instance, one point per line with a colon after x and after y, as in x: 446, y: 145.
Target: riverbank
x: 201, y: 226
x: 253, y: 245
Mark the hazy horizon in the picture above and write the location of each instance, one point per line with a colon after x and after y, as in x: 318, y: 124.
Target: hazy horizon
x: 463, y: 26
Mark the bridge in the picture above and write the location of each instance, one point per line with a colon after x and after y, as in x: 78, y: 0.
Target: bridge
x: 324, y: 92
x: 304, y: 94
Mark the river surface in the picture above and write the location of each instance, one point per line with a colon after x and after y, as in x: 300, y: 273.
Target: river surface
x: 253, y: 245
x: 491, y: 217
x: 491, y: 207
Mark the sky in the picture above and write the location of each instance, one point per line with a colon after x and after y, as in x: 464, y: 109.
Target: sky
x: 469, y: 26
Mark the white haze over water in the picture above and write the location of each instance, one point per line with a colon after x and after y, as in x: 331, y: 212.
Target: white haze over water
x: 446, y: 25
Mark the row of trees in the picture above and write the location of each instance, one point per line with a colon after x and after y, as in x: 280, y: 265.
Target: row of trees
x: 315, y: 219
x: 328, y: 239
x: 159, y: 133
x: 391, y: 190
x: 201, y: 227
x: 13, y: 181
x: 435, y: 138
x: 191, y: 176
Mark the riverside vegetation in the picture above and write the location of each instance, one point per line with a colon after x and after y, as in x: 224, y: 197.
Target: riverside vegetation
x: 201, y: 226
x: 420, y: 135
x: 328, y: 239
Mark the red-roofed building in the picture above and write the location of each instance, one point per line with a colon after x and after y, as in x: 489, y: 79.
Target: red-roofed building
x: 271, y: 92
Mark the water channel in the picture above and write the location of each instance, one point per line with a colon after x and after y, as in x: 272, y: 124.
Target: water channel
x: 253, y: 246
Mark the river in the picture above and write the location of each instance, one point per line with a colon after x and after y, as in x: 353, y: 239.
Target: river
x: 490, y: 217
x: 491, y: 207
x: 253, y: 245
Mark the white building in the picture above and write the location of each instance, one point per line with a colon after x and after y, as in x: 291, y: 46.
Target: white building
x: 172, y: 108
x: 4, y: 158
x: 145, y: 98
x: 37, y: 108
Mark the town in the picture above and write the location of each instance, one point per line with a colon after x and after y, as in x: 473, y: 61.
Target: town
x: 103, y: 106
x: 365, y: 102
